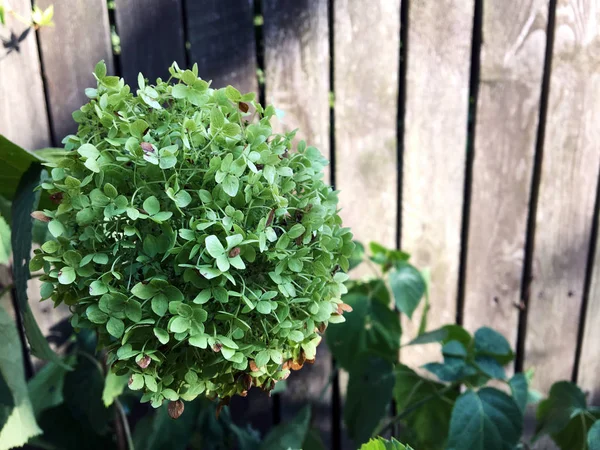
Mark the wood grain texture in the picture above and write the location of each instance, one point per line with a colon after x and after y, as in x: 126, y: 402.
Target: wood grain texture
x: 23, y: 117
x: 70, y: 50
x: 221, y: 36
x: 435, y: 139
x: 512, y: 63
x: 151, y: 33
x: 366, y: 44
x: 296, y: 37
x: 296, y: 40
x: 589, y: 363
x: 567, y: 193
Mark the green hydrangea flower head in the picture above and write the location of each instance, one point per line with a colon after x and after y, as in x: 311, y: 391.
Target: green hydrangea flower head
x: 204, y: 249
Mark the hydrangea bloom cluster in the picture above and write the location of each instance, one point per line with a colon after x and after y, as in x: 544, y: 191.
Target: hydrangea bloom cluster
x: 204, y: 250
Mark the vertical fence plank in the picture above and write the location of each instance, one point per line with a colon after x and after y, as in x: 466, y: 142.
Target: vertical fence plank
x: 512, y: 63
x: 437, y: 96
x: 589, y: 362
x: 567, y: 193
x: 23, y: 117
x: 70, y: 50
x: 366, y: 40
x: 151, y: 33
x: 221, y: 36
x: 296, y: 36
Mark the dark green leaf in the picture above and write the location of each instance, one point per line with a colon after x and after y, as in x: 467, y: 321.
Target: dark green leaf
x: 289, y: 434
x: 485, y: 420
x: 593, y: 437
x: 46, y: 387
x: 491, y: 343
x: 372, y: 327
x: 20, y: 425
x: 14, y: 162
x: 553, y: 414
x: 83, y: 394
x: 428, y: 425
x: 519, y: 387
x: 443, y: 335
x: 370, y: 389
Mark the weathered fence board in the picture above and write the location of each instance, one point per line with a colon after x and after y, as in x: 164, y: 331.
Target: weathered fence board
x: 512, y: 63
x: 151, y: 33
x: 23, y: 116
x: 366, y: 42
x: 296, y: 38
x: 589, y: 363
x: 366, y: 89
x: 567, y: 194
x: 70, y: 50
x: 435, y: 139
x: 221, y: 37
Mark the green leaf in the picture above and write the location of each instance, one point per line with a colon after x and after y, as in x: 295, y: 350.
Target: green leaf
x: 143, y: 291
x: 202, y: 297
x: 214, y: 246
x: 564, y: 400
x: 151, y: 205
x: 262, y: 358
x: 217, y: 119
x: 161, y: 335
x: 593, y: 436
x: 21, y: 424
x: 574, y: 435
x: 380, y: 443
x: 519, y: 388
x: 66, y: 275
x: 98, y: 288
x: 82, y: 391
x: 14, y: 162
x: 443, y: 335
x: 115, y: 327
x: 159, y: 432
x: 358, y: 255
x: 113, y: 387
x: 369, y: 392
x: 7, y: 401
x: 408, y: 287
x: 100, y: 69
x: 371, y: 328
x: 133, y: 310
x: 180, y: 324
x: 25, y: 199
x: 231, y: 185
x: 491, y: 343
x: 296, y: 231
x: 160, y: 304
x: 5, y: 247
x: 487, y: 419
x: 290, y: 434
x: 37, y: 342
x: 46, y: 387
x: 428, y: 425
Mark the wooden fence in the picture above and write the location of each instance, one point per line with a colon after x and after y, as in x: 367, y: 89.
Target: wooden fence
x: 467, y: 132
